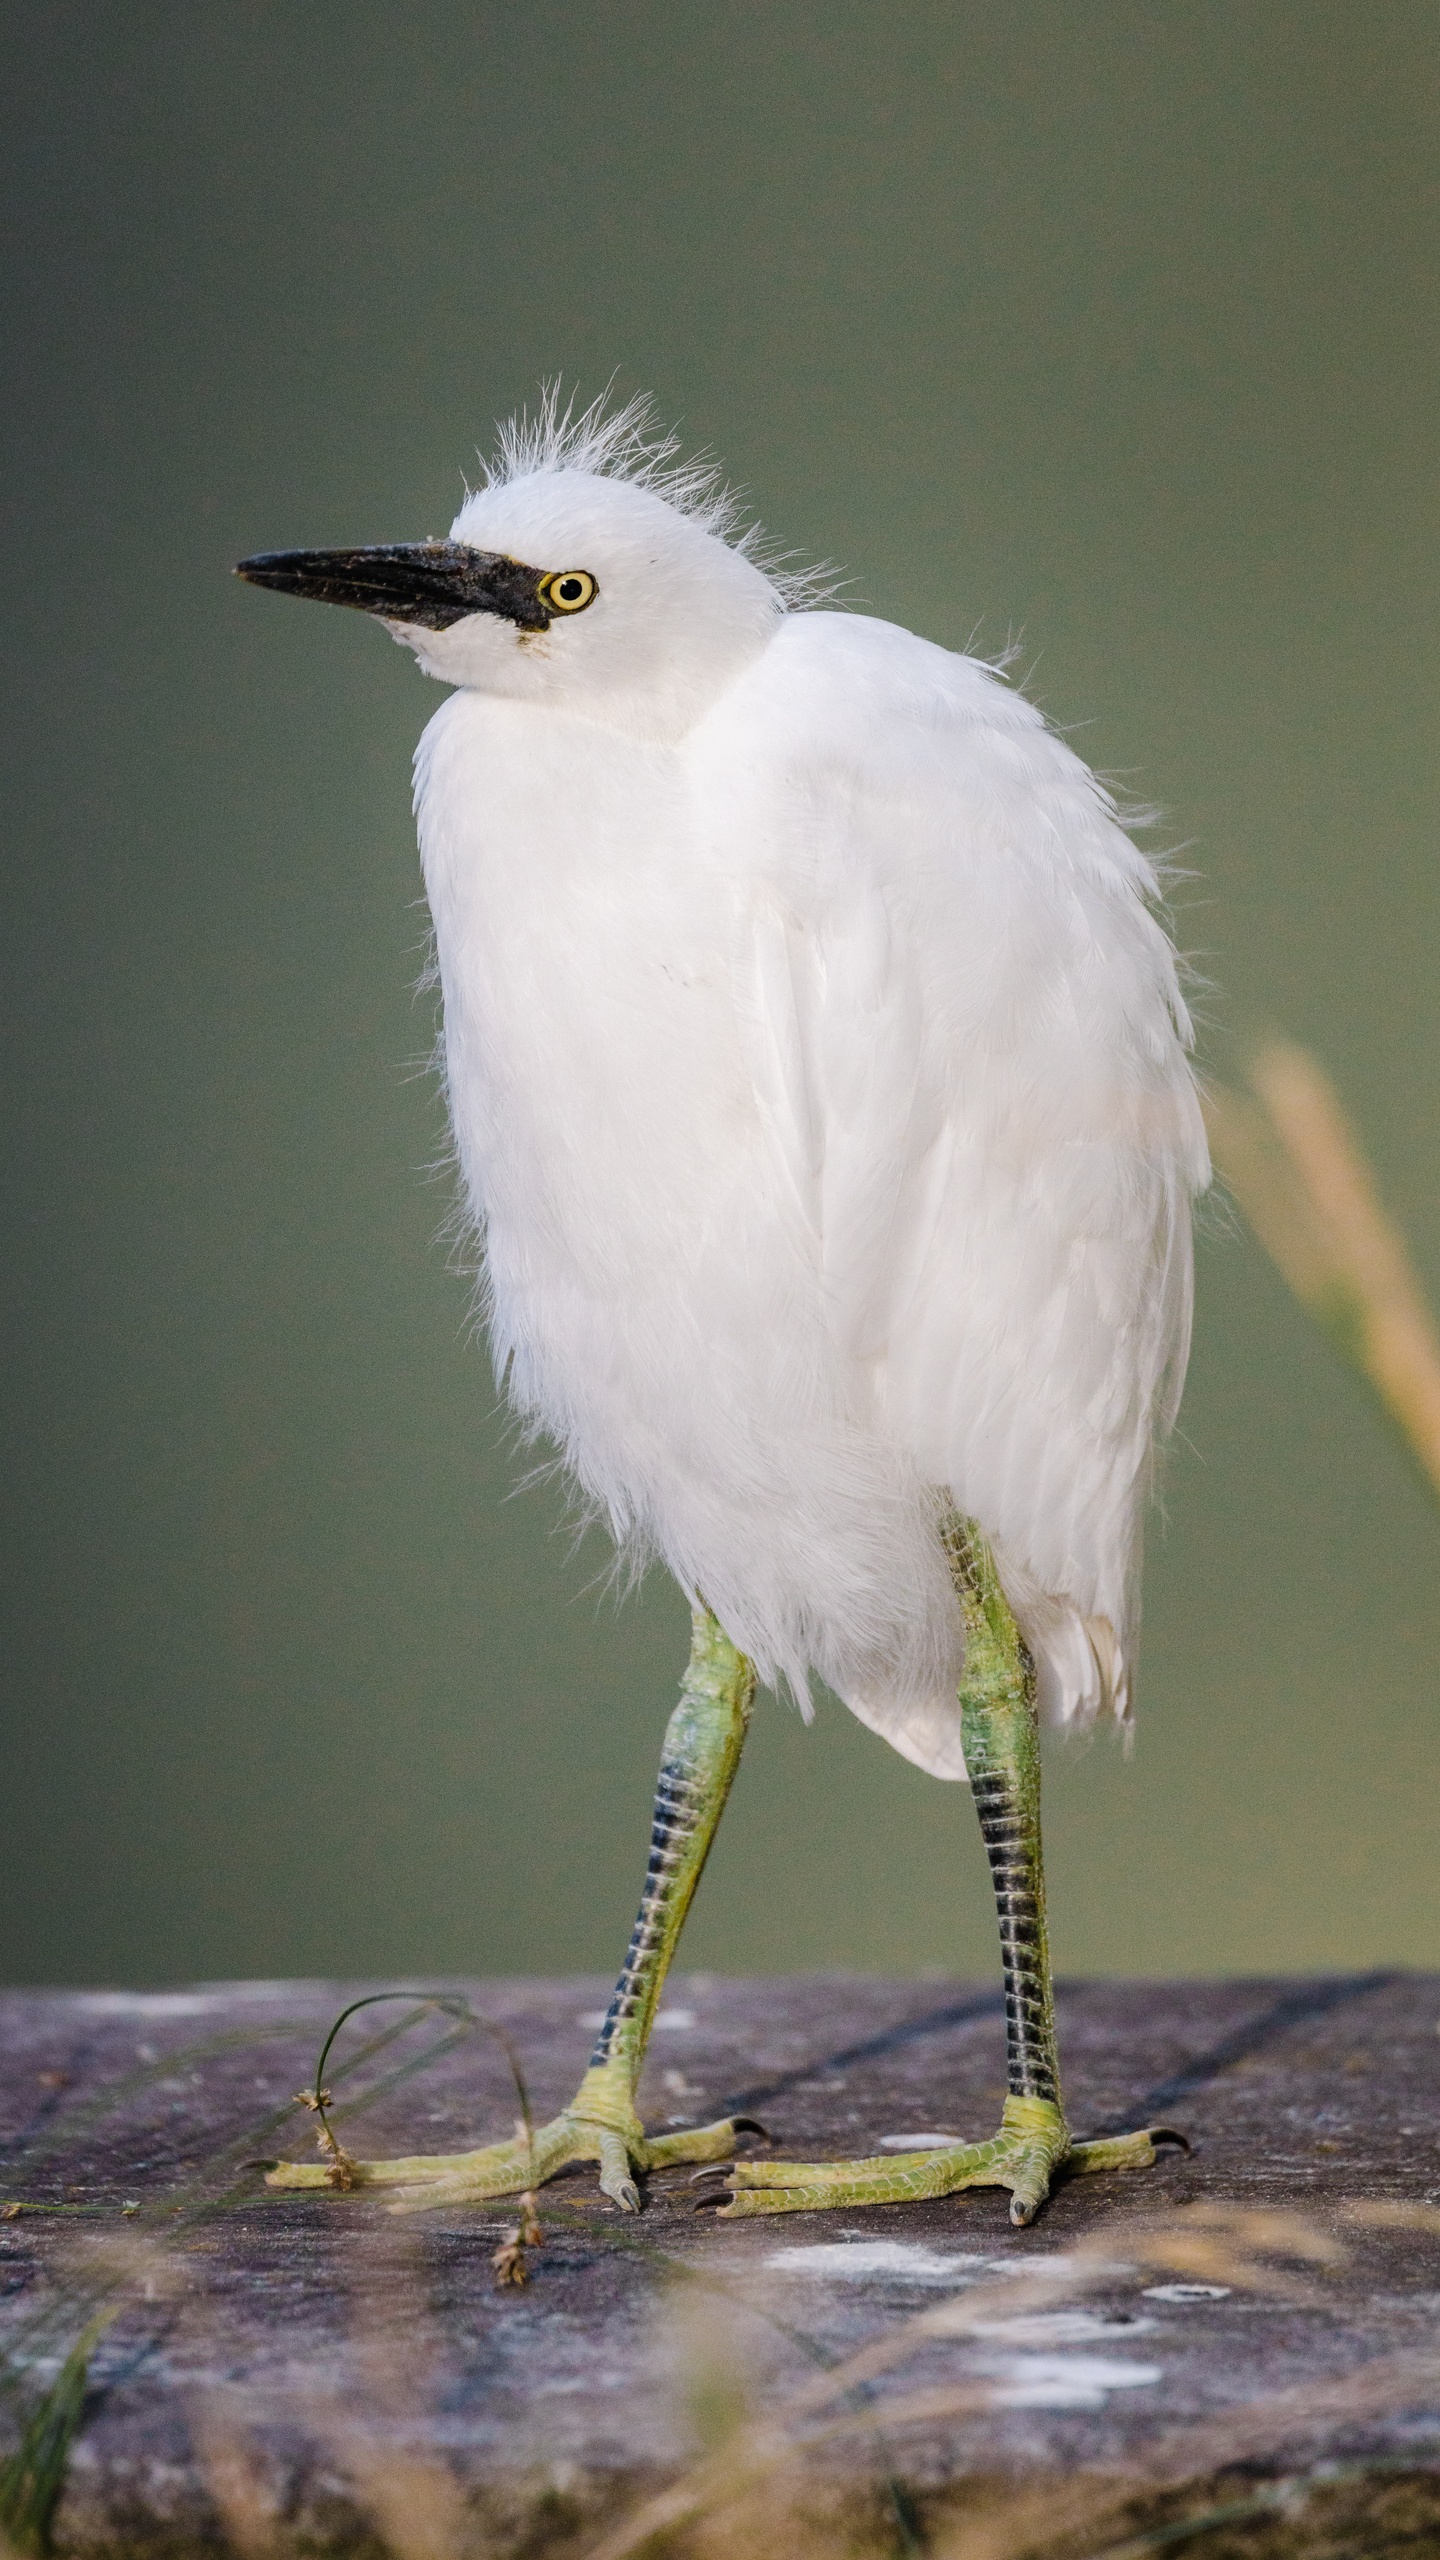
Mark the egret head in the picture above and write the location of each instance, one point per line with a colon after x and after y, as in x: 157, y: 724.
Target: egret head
x: 587, y: 574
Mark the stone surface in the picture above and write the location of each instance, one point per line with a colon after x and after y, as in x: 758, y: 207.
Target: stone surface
x: 288, y: 2360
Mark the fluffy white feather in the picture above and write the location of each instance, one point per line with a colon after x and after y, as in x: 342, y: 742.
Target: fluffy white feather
x: 817, y: 1068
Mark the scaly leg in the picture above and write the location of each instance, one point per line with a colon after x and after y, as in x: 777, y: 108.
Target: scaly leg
x: 1033, y: 2147
x: 701, y: 1755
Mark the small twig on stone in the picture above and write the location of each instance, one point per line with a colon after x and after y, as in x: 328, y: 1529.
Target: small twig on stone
x: 509, y: 2260
x: 341, y: 2172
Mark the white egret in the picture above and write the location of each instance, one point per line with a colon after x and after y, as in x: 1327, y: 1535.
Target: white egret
x: 817, y: 1067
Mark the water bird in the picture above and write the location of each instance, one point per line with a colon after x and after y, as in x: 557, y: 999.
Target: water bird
x: 817, y: 1063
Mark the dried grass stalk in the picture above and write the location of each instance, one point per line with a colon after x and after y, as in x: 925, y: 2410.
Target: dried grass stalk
x: 1297, y: 1170
x: 1221, y: 2243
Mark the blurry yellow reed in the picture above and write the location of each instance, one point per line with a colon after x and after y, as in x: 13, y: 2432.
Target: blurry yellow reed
x: 1219, y: 2243
x: 1292, y: 1161
x: 762, y: 2487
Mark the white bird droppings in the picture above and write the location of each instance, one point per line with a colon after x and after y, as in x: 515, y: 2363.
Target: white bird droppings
x: 1059, y: 2328
x: 909, y: 2259
x: 1186, y: 2292
x: 1066, y: 2382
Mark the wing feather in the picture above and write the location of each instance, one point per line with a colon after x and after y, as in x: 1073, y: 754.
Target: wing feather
x: 968, y: 1044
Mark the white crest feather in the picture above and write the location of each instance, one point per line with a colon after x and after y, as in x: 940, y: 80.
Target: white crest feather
x: 629, y: 442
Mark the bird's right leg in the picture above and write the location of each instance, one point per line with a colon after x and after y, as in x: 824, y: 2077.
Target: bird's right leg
x: 601, y: 2123
x: 1032, y: 2148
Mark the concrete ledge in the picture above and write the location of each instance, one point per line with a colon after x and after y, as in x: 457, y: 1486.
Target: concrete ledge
x: 288, y: 2372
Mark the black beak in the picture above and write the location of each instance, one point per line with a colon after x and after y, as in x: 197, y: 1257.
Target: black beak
x: 432, y: 583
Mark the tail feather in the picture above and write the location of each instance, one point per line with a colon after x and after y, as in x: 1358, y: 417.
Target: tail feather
x: 1081, y: 1675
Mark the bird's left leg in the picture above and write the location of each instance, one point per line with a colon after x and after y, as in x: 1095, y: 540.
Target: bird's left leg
x: 1033, y: 2147
x: 601, y: 2123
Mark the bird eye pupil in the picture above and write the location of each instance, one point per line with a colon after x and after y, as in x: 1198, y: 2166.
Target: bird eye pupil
x: 570, y: 588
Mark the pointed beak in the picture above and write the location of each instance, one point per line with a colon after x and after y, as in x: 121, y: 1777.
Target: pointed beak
x: 430, y: 583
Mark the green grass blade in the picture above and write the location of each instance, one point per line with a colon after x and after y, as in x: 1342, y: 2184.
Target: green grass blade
x: 34, y: 2475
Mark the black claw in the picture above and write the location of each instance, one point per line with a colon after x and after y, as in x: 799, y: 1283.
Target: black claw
x: 752, y: 2124
x: 716, y: 2169
x: 1163, y: 2133
x: 711, y: 2204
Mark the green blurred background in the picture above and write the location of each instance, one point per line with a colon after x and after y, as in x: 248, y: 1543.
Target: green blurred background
x: 1114, y: 326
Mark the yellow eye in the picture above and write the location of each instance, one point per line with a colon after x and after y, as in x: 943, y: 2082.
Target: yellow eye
x: 568, y: 590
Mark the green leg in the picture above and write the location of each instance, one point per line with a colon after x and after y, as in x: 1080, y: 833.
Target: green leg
x: 701, y: 1755
x: 1033, y: 2146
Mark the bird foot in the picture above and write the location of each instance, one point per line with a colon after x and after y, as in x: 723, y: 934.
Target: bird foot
x: 1031, y: 2152
x: 510, y: 2168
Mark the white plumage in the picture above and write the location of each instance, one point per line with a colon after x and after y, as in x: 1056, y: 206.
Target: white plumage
x: 817, y: 1068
